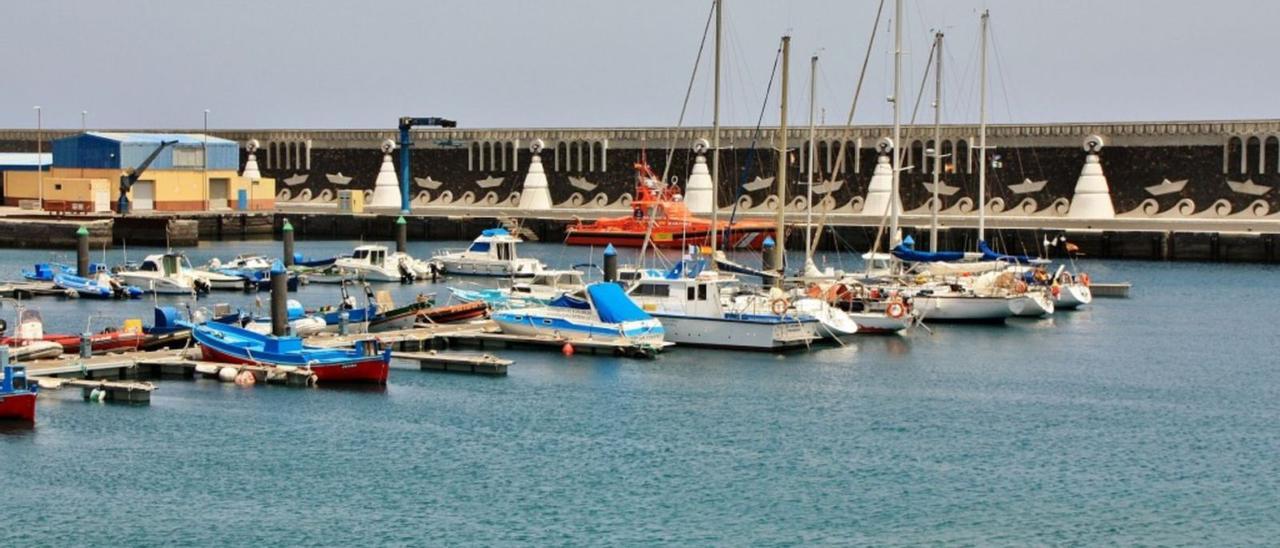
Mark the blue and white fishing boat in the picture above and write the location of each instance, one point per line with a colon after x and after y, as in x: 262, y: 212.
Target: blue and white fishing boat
x: 602, y: 313
x: 696, y: 307
x: 366, y: 363
x: 101, y: 286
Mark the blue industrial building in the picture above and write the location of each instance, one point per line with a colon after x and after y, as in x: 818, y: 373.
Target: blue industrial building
x: 109, y: 150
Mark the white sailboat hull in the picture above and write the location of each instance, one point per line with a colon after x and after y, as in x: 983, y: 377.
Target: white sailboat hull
x: 879, y: 322
x: 963, y: 308
x: 1073, y: 296
x: 1035, y: 304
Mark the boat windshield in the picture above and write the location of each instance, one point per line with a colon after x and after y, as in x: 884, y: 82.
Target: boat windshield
x: 479, y: 247
x: 360, y: 254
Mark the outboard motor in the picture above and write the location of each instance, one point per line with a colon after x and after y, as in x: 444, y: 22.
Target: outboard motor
x: 406, y: 274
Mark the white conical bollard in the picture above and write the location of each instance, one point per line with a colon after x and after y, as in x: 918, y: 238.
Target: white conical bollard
x: 251, y: 165
x: 535, y: 194
x: 881, y: 186
x: 386, y: 188
x: 1092, y: 199
x: 697, y: 192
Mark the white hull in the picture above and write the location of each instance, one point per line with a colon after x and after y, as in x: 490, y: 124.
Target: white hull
x: 1035, y: 304
x: 154, y: 284
x: 833, y: 322
x: 567, y: 325
x: 692, y: 331
x: 222, y: 281
x: 878, y: 322
x: 962, y: 308
x: 480, y: 267
x: 1073, y: 296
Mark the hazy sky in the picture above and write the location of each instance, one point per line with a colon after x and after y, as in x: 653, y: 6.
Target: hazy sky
x: 573, y: 63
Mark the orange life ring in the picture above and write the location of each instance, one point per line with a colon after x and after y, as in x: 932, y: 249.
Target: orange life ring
x: 1084, y: 279
x: 896, y: 310
x: 814, y: 291
x: 779, y: 306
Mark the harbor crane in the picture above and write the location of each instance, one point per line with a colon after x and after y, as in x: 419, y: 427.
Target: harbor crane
x: 128, y: 178
x: 406, y: 142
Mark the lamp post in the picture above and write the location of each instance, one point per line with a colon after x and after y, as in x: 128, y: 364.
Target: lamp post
x: 204, y: 159
x: 40, y: 157
x: 84, y: 114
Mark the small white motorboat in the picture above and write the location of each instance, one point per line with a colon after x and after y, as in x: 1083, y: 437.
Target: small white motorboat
x: 603, y: 313
x: 170, y: 273
x: 491, y: 254
x: 375, y: 263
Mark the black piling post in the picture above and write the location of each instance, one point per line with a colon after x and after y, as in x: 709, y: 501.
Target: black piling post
x: 287, y: 230
x: 402, y: 235
x: 610, y: 264
x: 82, y: 252
x: 279, y: 296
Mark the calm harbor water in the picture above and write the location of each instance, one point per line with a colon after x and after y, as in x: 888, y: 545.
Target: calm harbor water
x: 1150, y: 420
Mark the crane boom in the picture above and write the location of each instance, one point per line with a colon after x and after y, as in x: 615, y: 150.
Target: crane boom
x: 128, y: 179
x: 406, y: 142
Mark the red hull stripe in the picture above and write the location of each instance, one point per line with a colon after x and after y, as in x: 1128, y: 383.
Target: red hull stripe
x: 372, y: 370
x: 19, y: 407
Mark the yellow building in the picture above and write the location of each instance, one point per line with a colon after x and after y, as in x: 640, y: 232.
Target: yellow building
x: 87, y: 169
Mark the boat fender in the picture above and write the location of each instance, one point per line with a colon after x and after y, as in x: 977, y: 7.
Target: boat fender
x: 245, y: 378
x: 779, y: 306
x: 227, y: 374
x: 1056, y: 290
x: 567, y: 349
x: 1084, y: 279
x: 896, y: 310
x: 98, y: 395
x: 1020, y: 287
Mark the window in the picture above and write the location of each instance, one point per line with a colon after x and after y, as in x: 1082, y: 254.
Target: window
x: 926, y: 161
x: 915, y: 157
x: 1252, y: 150
x: 963, y: 165
x: 651, y: 290
x: 948, y: 158
x: 1271, y: 164
x: 1235, y: 156
x: 702, y: 292
x: 188, y: 157
x: 57, y: 186
x: 690, y: 293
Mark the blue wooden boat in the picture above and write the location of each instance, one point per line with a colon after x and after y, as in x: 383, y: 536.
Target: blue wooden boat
x: 101, y: 287
x: 366, y: 363
x: 44, y: 272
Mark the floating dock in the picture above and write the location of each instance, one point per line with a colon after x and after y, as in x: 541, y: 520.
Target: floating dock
x: 482, y: 364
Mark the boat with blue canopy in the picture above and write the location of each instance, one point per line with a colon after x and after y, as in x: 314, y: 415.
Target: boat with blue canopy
x: 601, y: 312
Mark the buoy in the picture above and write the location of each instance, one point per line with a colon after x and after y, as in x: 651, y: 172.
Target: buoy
x: 245, y: 378
x: 567, y: 349
x: 98, y: 395
x: 227, y: 374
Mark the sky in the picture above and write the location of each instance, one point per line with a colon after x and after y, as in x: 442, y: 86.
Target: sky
x: 616, y: 63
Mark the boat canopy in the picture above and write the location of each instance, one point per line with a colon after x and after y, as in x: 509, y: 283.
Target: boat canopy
x: 906, y: 251
x: 989, y: 255
x: 569, y: 301
x: 492, y: 232
x: 613, y: 305
x: 691, y: 270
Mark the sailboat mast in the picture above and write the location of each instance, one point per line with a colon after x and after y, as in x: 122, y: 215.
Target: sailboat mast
x: 813, y: 137
x: 780, y: 250
x: 937, y: 139
x: 982, y: 136
x: 715, y: 141
x: 897, y: 124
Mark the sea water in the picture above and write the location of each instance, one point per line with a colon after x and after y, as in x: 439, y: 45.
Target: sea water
x: 1151, y: 420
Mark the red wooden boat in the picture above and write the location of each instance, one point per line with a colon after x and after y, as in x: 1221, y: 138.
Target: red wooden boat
x: 366, y: 363
x: 673, y: 226
x: 17, y: 395
x: 454, y: 313
x: 31, y: 328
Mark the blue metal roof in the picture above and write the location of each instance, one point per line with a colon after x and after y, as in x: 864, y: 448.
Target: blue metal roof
x: 155, y: 138
x: 109, y: 150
